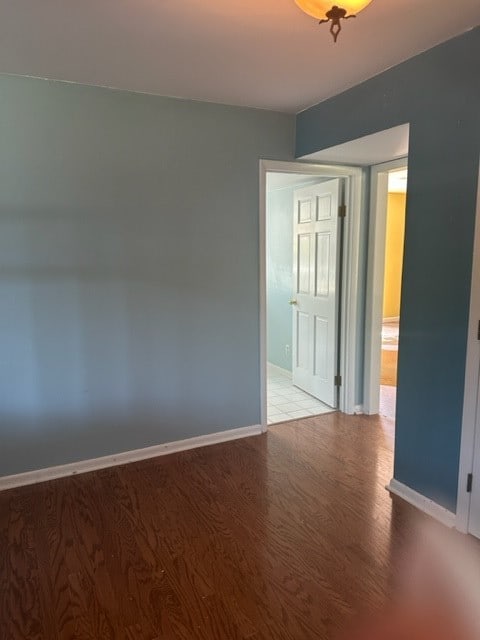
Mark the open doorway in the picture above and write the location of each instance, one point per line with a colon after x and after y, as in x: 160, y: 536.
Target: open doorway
x: 337, y: 199
x: 392, y: 284
x: 386, y: 247
x: 303, y: 250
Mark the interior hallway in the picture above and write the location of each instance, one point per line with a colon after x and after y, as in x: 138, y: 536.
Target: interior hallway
x: 284, y: 535
x: 388, y: 371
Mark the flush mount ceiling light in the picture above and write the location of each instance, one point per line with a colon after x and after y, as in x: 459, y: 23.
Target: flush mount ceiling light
x: 325, y: 12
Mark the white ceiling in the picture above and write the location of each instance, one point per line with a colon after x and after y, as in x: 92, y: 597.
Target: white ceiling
x: 382, y: 146
x: 262, y: 53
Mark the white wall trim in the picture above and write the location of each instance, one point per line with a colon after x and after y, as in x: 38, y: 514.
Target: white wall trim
x: 83, y: 466
x: 295, y: 185
x: 375, y: 280
x: 281, y: 370
x: 422, y: 503
x: 351, y: 305
x: 470, y: 402
x: 262, y: 302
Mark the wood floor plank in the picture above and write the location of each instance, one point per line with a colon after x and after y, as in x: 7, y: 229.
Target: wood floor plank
x: 186, y: 564
x: 57, y: 556
x: 282, y: 556
x: 286, y: 536
x: 138, y: 575
x: 225, y: 566
x: 20, y: 604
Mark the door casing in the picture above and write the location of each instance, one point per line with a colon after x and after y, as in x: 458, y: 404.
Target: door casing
x: 375, y: 280
x: 351, y: 303
x: 471, y: 402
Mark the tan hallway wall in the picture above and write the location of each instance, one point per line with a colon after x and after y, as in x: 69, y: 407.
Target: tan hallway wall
x: 394, y: 254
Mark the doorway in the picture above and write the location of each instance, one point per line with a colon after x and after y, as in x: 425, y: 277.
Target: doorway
x: 392, y: 284
x: 303, y: 234
x: 386, y: 247
x: 304, y: 335
x: 468, y: 496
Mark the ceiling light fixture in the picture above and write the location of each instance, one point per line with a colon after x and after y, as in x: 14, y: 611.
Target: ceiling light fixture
x: 325, y: 12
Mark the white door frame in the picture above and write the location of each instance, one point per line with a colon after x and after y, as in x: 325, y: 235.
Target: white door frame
x: 375, y: 280
x: 471, y: 399
x: 351, y: 268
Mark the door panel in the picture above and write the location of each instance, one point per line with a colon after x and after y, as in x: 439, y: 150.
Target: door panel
x: 302, y: 341
x: 303, y: 285
x: 305, y: 210
x: 315, y: 260
x: 320, y: 367
x: 324, y: 207
x: 322, y: 265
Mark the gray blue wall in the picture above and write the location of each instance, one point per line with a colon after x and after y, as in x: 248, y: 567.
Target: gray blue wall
x: 128, y: 269
x: 438, y: 93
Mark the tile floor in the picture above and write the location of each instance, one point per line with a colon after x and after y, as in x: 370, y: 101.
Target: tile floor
x: 286, y: 402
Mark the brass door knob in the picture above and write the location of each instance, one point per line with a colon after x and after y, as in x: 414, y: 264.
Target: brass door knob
x: 293, y: 301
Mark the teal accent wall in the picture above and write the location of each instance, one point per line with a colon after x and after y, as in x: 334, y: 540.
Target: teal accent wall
x: 438, y: 93
x: 128, y: 269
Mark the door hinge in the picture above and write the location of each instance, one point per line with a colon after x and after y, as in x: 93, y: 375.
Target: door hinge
x: 342, y: 210
x: 478, y: 331
x: 469, y: 482
x: 338, y: 381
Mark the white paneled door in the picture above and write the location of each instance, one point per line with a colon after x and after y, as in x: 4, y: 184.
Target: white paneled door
x: 314, y: 301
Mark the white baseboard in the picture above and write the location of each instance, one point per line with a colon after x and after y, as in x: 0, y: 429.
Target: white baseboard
x: 358, y: 409
x: 422, y: 503
x: 284, y: 372
x: 83, y: 466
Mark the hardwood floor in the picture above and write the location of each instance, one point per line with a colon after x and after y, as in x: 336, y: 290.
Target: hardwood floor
x: 283, y: 536
x: 388, y: 369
